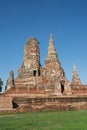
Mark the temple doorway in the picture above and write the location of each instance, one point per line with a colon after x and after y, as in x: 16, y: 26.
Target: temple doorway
x: 62, y: 88
x: 34, y: 73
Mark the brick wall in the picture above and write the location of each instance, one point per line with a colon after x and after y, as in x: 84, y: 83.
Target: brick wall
x: 5, y: 102
x: 51, y: 103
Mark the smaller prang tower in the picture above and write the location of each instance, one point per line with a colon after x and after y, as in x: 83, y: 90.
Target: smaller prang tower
x: 31, y: 61
x: 53, y: 73
x: 75, y: 76
x: 52, y: 63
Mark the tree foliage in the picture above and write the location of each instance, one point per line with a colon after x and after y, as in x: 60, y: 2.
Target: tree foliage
x: 1, y: 84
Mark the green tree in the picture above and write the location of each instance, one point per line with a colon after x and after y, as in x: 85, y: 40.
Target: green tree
x: 1, y: 84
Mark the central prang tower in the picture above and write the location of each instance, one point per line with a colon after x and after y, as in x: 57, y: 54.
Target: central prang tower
x: 31, y: 61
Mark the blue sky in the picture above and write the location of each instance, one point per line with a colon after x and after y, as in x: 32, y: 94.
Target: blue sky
x: 65, y: 19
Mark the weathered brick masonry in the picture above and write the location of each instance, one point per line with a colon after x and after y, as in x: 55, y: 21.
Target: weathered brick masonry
x: 44, y: 86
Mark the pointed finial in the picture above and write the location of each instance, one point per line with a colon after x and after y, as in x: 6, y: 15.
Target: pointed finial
x: 74, y: 67
x: 51, y: 35
x: 51, y: 38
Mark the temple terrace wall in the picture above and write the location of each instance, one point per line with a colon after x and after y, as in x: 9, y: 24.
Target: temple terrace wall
x: 50, y: 103
x: 5, y: 103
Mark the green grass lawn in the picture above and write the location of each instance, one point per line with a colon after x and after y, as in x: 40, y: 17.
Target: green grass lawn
x: 65, y: 120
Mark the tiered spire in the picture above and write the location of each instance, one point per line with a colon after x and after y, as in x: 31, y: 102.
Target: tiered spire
x: 52, y: 55
x: 31, y: 61
x: 31, y: 54
x: 75, y: 76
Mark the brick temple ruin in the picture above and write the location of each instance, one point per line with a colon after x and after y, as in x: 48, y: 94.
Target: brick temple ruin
x: 37, y: 85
